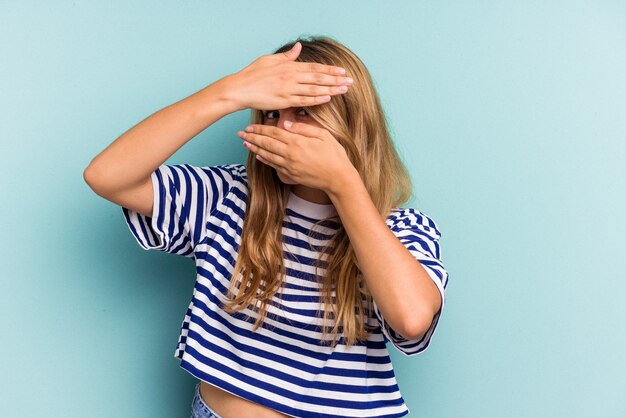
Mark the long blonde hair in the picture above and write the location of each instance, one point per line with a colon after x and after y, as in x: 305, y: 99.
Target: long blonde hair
x: 356, y: 119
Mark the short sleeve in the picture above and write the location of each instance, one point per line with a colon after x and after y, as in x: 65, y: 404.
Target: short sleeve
x: 420, y: 235
x: 184, y: 197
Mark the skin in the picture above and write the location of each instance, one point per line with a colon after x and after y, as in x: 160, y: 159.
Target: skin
x: 227, y: 405
x: 121, y: 173
x: 305, y: 155
x: 300, y: 114
x: 310, y: 156
x: 224, y: 403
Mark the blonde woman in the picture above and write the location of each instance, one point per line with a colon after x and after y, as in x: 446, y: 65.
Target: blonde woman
x: 307, y: 265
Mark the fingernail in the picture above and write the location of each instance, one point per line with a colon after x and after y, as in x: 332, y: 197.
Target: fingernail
x: 340, y: 71
x: 288, y: 124
x: 249, y: 129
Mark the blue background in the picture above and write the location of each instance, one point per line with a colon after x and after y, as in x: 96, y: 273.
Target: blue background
x: 509, y: 115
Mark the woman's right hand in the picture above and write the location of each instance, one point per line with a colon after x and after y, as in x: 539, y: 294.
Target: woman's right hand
x: 277, y: 81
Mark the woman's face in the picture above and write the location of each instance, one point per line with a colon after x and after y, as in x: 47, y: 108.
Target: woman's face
x: 278, y: 118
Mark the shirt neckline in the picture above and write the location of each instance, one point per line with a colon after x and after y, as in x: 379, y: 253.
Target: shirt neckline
x: 310, y: 209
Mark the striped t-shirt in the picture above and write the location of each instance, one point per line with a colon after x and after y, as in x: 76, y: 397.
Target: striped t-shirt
x: 198, y: 213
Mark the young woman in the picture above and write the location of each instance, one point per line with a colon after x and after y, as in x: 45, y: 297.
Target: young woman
x: 306, y: 263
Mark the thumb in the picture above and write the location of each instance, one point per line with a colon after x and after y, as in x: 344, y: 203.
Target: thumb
x: 293, y: 53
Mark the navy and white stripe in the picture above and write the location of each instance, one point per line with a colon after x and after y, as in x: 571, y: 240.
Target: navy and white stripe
x: 198, y: 212
x: 420, y: 235
x: 184, y: 196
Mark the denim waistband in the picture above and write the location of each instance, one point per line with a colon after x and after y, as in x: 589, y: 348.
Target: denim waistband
x: 199, y: 408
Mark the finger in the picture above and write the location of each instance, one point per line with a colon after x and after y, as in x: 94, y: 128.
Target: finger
x: 322, y: 79
x: 261, y: 142
x: 307, y: 130
x: 276, y: 132
x: 319, y: 68
x: 293, y: 53
x: 264, y: 161
x: 273, y: 132
x: 314, y: 90
x: 267, y: 157
x: 308, y: 100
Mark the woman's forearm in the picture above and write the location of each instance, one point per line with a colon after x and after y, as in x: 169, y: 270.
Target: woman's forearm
x: 132, y: 157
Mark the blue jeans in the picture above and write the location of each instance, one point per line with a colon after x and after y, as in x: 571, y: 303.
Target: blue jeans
x: 199, y: 409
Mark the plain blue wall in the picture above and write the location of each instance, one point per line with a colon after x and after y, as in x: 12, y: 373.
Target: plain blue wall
x: 510, y: 116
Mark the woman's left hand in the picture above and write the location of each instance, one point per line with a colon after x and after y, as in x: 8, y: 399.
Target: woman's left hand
x: 308, y: 154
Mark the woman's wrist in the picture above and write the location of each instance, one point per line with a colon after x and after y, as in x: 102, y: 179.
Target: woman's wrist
x: 228, y: 92
x: 217, y: 100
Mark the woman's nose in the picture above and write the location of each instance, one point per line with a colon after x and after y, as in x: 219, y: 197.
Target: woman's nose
x: 281, y: 122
